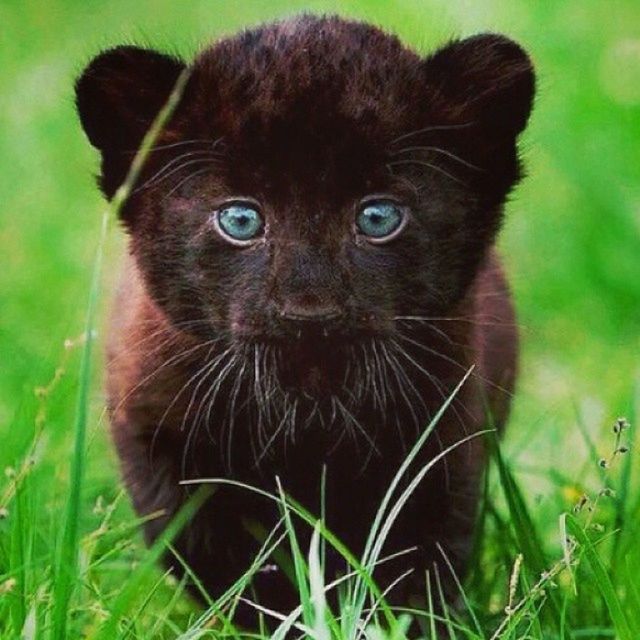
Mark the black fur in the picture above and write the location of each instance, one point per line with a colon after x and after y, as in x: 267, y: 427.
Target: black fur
x: 308, y: 117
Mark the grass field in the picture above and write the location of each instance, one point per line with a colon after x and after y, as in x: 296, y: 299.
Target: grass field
x: 72, y: 563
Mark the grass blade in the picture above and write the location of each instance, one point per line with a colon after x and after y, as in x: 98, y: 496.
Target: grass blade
x: 307, y: 517
x: 316, y: 588
x: 602, y: 580
x: 126, y: 597
x: 272, y: 542
x: 66, y: 566
x: 624, y: 488
x: 527, y: 537
x: 433, y: 635
x: 461, y: 590
x: 299, y: 563
x: 372, y: 542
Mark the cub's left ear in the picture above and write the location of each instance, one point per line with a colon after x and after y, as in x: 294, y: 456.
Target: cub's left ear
x: 119, y: 94
x: 487, y: 80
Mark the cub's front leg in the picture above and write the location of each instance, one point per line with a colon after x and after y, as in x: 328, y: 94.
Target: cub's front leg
x: 216, y: 543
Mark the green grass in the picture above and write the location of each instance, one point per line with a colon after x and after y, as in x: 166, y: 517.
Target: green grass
x: 72, y: 562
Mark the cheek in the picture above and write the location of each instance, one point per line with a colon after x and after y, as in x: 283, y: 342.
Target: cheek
x: 397, y: 277
x: 376, y: 275
x: 247, y: 291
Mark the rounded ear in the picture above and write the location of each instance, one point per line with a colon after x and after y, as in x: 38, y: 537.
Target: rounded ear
x: 486, y: 79
x: 120, y: 93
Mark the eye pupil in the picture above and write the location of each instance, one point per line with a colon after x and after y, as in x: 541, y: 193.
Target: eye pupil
x: 240, y: 222
x: 379, y: 220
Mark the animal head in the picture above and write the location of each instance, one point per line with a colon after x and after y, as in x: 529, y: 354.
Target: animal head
x: 317, y: 180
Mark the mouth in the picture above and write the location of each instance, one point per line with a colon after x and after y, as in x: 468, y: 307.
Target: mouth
x: 317, y: 362
x: 313, y: 365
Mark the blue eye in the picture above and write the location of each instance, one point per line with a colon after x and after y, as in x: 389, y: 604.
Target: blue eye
x: 380, y: 220
x: 240, y: 223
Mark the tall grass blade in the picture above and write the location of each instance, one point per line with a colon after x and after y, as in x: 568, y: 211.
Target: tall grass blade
x: 311, y: 520
x: 443, y: 605
x: 374, y: 606
x: 337, y: 584
x: 431, y: 610
x: 402, y: 500
x: 316, y: 588
x: 299, y: 563
x: 588, y: 440
x: 66, y: 569
x: 566, y: 553
x: 467, y: 603
x: 633, y: 595
x: 602, y: 581
x: 372, y: 545
x: 280, y: 556
x: 527, y: 537
x: 66, y: 566
x: 272, y: 542
x: 18, y: 559
x: 127, y: 596
x: 129, y: 629
x: 623, y: 508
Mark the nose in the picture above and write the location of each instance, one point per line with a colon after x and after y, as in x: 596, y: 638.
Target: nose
x: 308, y: 286
x: 310, y: 309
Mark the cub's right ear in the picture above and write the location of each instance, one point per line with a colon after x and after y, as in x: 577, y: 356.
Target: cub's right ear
x: 120, y: 93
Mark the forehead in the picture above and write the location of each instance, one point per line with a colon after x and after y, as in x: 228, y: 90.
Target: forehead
x: 307, y: 83
x: 313, y: 99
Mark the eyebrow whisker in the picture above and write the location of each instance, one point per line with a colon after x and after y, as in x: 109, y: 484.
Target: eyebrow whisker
x: 425, y: 164
x: 443, y: 127
x: 448, y: 154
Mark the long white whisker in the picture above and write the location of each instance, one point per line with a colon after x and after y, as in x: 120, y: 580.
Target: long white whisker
x: 444, y: 152
x: 165, y: 172
x: 442, y: 127
x: 422, y: 163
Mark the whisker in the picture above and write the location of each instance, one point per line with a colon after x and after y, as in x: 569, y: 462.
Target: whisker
x: 191, y: 176
x: 153, y: 336
x: 206, y: 371
x: 347, y: 415
x: 172, y: 360
x: 165, y: 172
x: 444, y: 152
x: 434, y: 381
x: 396, y: 369
x: 231, y: 411
x: 443, y: 127
x: 425, y: 164
x: 411, y: 386
x: 202, y: 371
x: 173, y: 145
x: 429, y: 325
x: 273, y: 437
x: 212, y: 393
x: 468, y: 319
x: 291, y: 432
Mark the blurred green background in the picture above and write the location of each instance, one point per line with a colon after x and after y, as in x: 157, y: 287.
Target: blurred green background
x: 571, y: 240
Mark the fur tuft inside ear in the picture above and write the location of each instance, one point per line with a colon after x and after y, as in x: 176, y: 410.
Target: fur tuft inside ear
x: 488, y: 78
x: 119, y: 94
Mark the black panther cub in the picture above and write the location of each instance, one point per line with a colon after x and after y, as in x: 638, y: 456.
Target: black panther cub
x: 311, y: 271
